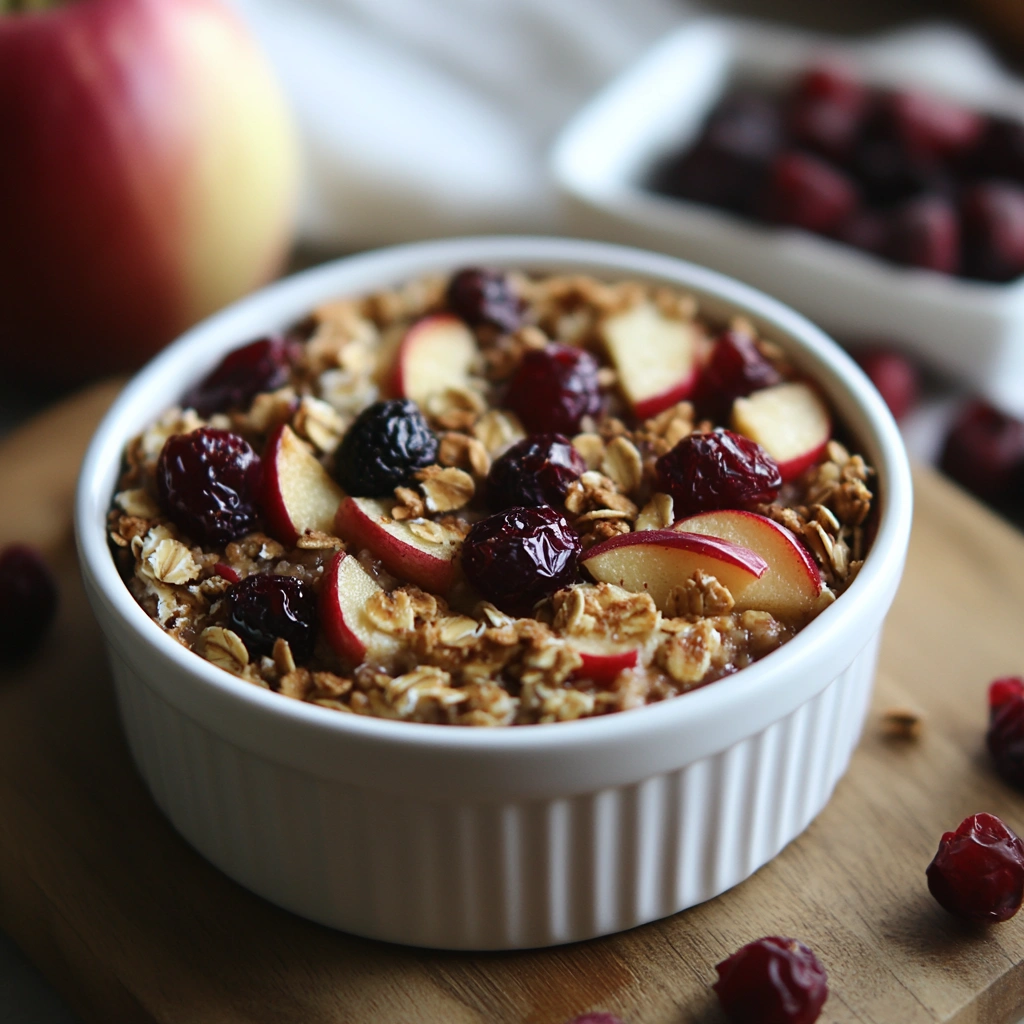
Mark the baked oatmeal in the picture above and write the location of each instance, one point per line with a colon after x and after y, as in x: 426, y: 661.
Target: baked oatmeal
x: 493, y: 499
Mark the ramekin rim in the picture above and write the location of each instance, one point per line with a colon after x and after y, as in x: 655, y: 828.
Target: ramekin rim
x: 883, y: 560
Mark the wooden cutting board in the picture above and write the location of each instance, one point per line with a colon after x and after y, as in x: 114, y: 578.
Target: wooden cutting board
x: 131, y: 926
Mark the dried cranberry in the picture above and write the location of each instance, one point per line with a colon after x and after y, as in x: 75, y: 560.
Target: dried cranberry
x: 984, y: 451
x: 896, y: 377
x: 927, y: 126
x: 241, y: 375
x: 719, y: 469
x: 885, y: 171
x: 831, y: 80
x: 773, y: 980
x: 208, y: 482
x: 824, y: 126
x: 992, y: 223
x: 264, y: 607
x: 735, y: 369
x: 480, y: 296
x: 978, y: 871
x: 728, y: 162
x: 520, y: 556
x: 1005, y: 736
x: 924, y: 232
x: 808, y: 193
x: 388, y: 442
x: 1000, y: 151
x: 553, y: 389
x: 28, y: 600
x: 535, y: 471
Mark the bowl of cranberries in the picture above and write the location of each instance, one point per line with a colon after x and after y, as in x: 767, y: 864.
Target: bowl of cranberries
x: 876, y: 185
x: 494, y: 593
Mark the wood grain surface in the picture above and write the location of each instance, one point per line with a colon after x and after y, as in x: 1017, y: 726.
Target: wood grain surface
x: 131, y: 926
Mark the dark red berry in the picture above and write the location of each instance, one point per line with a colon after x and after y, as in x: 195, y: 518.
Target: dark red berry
x: 826, y: 109
x: 924, y: 232
x: 1003, y: 690
x: 896, y: 377
x: 480, y: 296
x: 535, y: 471
x: 717, y: 470
x: 808, y: 193
x: 929, y: 127
x: 1000, y: 150
x: 264, y: 607
x: 978, y: 871
x: 596, y: 1018
x: 833, y: 80
x: 736, y: 368
x: 773, y: 980
x: 1005, y: 736
x: 208, y: 482
x: 28, y: 600
x: 388, y: 442
x: 553, y: 389
x: 992, y: 225
x: 520, y: 556
x: 984, y: 451
x: 241, y: 375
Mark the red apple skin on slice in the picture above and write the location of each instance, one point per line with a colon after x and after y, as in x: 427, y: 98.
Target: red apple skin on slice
x: 655, y: 357
x: 436, y: 353
x: 789, y: 421
x: 655, y: 561
x: 602, y: 667
x: 298, y: 494
x: 344, y: 591
x: 367, y: 523
x: 790, y: 589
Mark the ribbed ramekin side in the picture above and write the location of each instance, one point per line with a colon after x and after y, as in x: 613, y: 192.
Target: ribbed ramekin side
x: 414, y: 867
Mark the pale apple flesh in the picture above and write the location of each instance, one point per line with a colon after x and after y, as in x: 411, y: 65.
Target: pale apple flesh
x: 344, y: 591
x: 436, y: 353
x: 789, y: 421
x: 367, y: 523
x: 655, y: 357
x: 155, y: 179
x: 298, y: 493
x: 791, y: 588
x: 656, y: 561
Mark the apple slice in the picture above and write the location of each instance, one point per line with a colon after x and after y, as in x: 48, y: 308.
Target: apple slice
x: 789, y: 421
x: 790, y: 588
x: 402, y: 549
x: 298, y: 494
x: 344, y: 591
x: 655, y: 357
x: 436, y: 353
x: 603, y: 659
x: 655, y: 561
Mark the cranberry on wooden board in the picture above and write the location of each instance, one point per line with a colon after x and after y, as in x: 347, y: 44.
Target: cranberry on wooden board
x: 773, y: 980
x: 28, y: 600
x: 534, y: 471
x: 978, y: 871
x: 240, y: 376
x: 208, y: 483
x: 388, y: 442
x: 520, y: 556
x: 1005, y: 735
x: 480, y: 295
x: 553, y: 389
x: 264, y: 606
x: 984, y: 451
x: 717, y: 470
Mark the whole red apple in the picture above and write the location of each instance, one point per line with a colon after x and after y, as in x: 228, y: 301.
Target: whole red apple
x: 148, y: 178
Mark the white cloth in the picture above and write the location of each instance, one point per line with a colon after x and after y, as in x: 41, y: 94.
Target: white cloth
x: 421, y: 118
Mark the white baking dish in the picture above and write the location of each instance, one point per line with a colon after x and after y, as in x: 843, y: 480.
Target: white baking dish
x: 973, y: 330
x: 501, y: 838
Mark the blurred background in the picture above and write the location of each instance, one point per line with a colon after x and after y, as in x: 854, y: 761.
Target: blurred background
x: 220, y: 155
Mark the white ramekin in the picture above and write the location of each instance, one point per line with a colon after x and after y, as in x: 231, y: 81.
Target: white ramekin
x: 972, y: 330
x: 505, y: 838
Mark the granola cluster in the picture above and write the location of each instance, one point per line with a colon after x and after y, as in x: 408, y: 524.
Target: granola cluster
x: 452, y: 656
